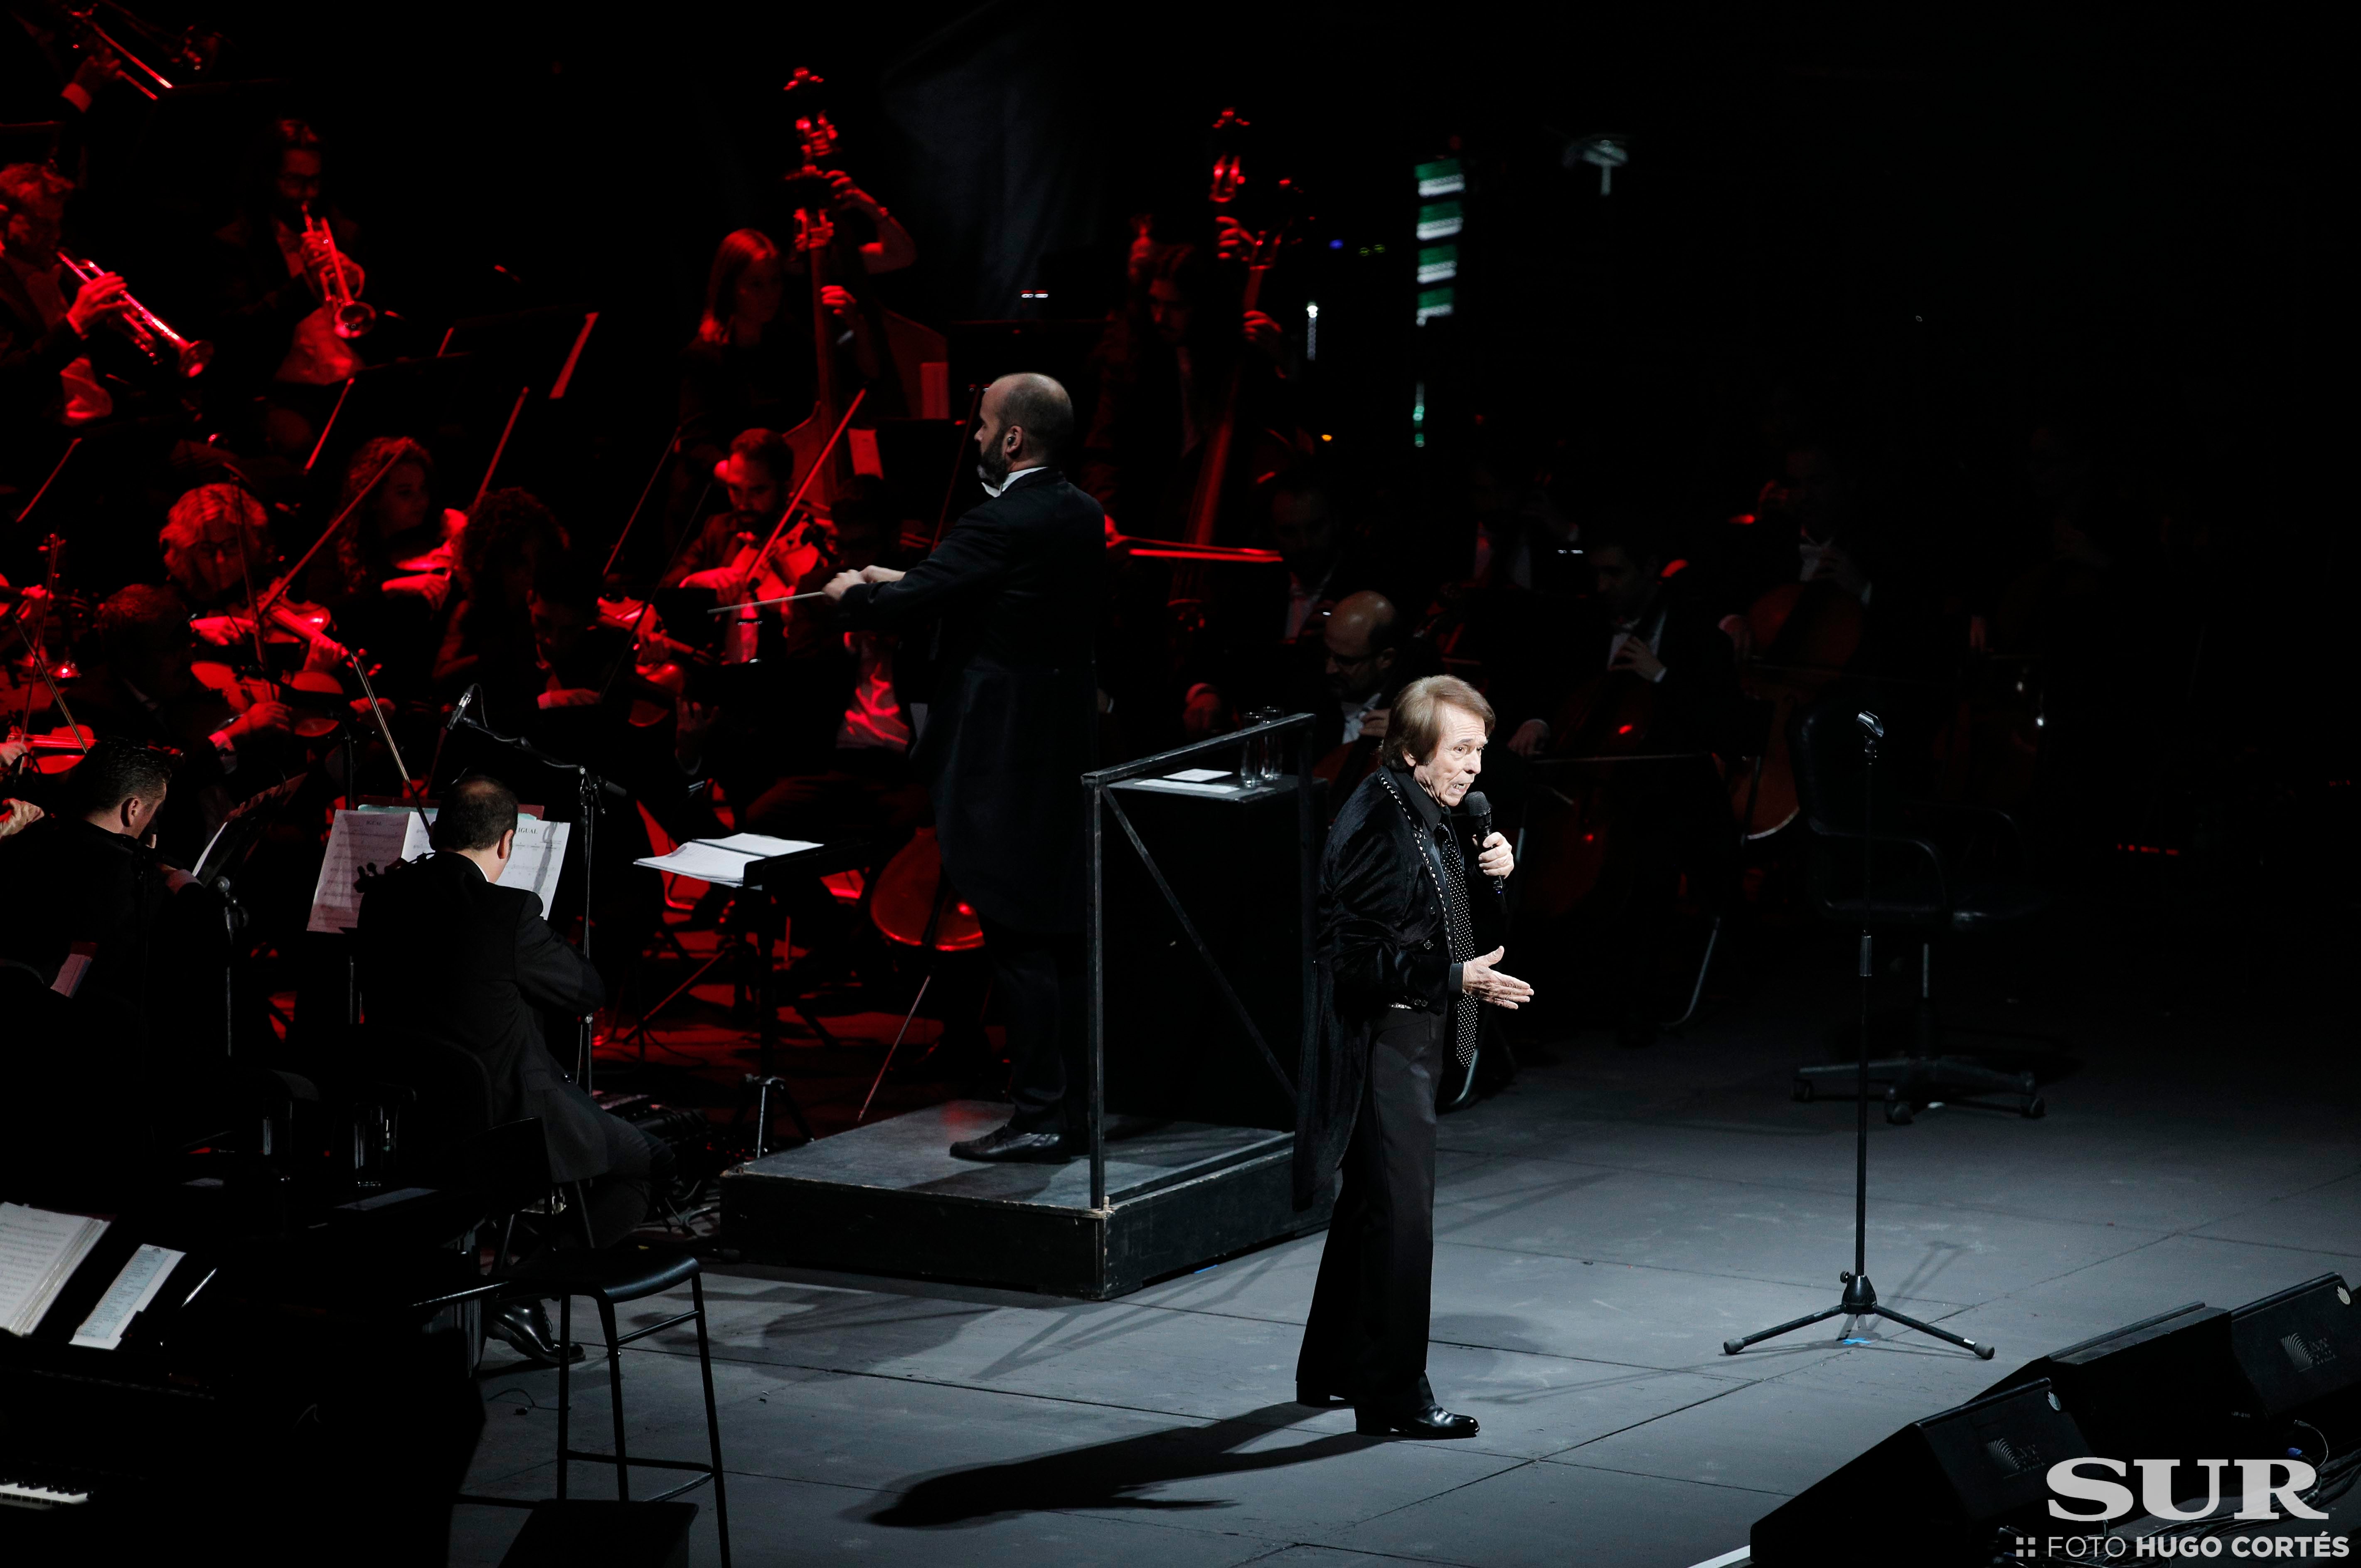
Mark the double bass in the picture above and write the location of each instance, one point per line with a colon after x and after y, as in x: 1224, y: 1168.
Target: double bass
x: 1216, y: 452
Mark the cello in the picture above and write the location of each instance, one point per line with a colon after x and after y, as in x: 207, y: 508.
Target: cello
x: 1603, y: 722
x: 1803, y: 636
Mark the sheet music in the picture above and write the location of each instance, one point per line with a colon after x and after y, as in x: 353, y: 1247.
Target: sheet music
x: 357, y: 839
x: 703, y: 863
x: 39, y: 1252
x: 538, y: 858
x: 144, y: 1273
x: 759, y: 846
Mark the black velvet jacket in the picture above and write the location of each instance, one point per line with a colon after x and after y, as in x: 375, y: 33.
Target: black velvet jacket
x: 1381, y: 940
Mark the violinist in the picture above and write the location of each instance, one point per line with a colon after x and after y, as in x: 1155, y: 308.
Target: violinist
x: 757, y: 476
x: 489, y: 633
x: 387, y: 575
x: 123, y: 948
x: 217, y: 555
x: 232, y: 743
x: 89, y: 876
x: 854, y: 738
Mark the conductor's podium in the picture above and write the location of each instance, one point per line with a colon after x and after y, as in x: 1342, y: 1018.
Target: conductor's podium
x: 1200, y: 971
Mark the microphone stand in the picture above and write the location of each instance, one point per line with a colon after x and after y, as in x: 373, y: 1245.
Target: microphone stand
x: 591, y: 791
x: 1860, y: 1298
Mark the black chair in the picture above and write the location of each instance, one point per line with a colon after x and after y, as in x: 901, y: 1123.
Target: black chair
x: 630, y: 1271
x: 448, y: 1136
x: 1911, y: 869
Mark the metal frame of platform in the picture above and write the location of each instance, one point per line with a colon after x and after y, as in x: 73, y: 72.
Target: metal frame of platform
x: 1154, y: 1198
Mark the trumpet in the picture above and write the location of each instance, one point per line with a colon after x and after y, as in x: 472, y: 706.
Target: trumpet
x: 354, y: 318
x: 149, y: 333
x: 194, y: 49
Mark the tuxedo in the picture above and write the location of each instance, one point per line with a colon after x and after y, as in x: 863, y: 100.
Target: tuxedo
x: 1012, y: 595
x: 446, y: 953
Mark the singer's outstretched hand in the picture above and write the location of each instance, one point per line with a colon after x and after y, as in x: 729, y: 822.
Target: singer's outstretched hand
x: 1480, y: 979
x: 1495, y: 858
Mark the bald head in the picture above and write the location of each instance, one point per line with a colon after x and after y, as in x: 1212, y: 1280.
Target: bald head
x: 1024, y: 422
x: 1361, y: 644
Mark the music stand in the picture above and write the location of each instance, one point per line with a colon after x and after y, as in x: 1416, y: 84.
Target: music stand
x: 234, y: 843
x: 1859, y: 1298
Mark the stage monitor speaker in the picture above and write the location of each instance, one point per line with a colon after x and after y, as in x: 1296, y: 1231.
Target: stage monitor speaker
x: 2166, y: 1387
x: 1936, y: 1494
x: 2297, y: 1348
x: 575, y: 1530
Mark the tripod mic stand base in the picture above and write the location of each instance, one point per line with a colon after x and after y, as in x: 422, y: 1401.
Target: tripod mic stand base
x: 1859, y: 1301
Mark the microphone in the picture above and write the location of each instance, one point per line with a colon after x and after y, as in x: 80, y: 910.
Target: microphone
x: 459, y: 708
x: 1479, y: 811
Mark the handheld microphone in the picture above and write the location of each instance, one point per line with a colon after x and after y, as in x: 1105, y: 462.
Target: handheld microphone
x: 459, y: 708
x: 1479, y: 811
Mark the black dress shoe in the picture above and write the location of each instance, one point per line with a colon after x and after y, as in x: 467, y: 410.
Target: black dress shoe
x: 1004, y: 1145
x: 1431, y: 1421
x: 1306, y: 1394
x: 524, y: 1326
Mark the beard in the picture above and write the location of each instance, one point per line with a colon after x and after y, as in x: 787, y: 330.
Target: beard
x: 991, y: 466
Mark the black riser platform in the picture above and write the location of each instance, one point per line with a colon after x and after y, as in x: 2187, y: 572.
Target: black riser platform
x: 890, y: 1199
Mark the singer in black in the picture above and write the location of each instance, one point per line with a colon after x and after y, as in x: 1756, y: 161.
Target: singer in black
x: 1399, y: 983
x: 1012, y: 598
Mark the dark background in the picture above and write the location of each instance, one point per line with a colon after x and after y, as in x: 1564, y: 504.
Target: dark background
x: 1932, y: 236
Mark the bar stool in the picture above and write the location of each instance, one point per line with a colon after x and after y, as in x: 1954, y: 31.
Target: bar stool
x: 630, y: 1271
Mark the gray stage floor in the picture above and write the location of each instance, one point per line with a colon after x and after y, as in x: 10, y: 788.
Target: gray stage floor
x: 1603, y: 1225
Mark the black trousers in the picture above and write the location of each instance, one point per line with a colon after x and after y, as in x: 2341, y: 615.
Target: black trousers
x: 1367, y: 1335
x: 1038, y: 978
x: 620, y: 1197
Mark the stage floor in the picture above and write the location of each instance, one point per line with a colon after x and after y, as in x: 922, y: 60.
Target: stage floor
x: 1602, y: 1226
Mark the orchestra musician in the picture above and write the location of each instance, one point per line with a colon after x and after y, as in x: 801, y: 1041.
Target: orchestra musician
x: 445, y: 950
x: 109, y: 940
x: 1672, y: 816
x: 487, y: 635
x: 1010, y: 594
x: 1260, y: 627
x: 50, y: 367
x: 1399, y: 977
x: 271, y: 264
x: 1161, y: 388
x: 147, y: 692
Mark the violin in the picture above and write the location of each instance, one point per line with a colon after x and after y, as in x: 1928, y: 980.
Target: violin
x: 56, y: 750
x: 315, y: 696
x: 659, y: 662
x: 771, y: 571
x: 291, y: 623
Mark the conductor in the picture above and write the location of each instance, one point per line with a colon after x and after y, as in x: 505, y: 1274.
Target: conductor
x: 1011, y: 594
x: 1399, y: 982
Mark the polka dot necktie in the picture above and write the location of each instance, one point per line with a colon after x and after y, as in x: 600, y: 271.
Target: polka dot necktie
x: 1461, y: 932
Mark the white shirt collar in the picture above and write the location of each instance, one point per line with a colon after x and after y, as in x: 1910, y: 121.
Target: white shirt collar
x: 997, y: 491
